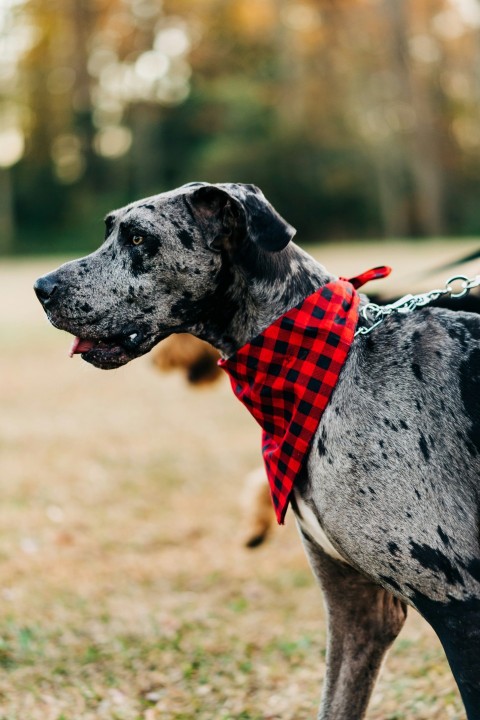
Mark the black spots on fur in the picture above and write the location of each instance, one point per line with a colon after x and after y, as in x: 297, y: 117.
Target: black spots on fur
x: 417, y: 493
x: 393, y: 548
x: 391, y: 582
x: 384, y: 455
x: 424, y: 448
x: 436, y: 561
x: 417, y: 371
x: 370, y: 345
x: 459, y: 334
x: 470, y: 392
x: 219, y: 306
x: 361, y: 491
x: 418, y: 405
x: 86, y: 307
x: 370, y: 466
x: 83, y: 268
x: 381, y: 443
x: 408, y: 515
x: 137, y: 262
x: 151, y: 246
x: 130, y: 299
x: 147, y: 206
x: 472, y: 324
x: 186, y: 239
x: 403, y: 425
x: 182, y: 307
x: 321, y: 445
x: 443, y: 536
x: 390, y: 424
x: 473, y: 568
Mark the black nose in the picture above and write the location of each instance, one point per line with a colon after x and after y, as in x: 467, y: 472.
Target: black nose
x: 45, y: 288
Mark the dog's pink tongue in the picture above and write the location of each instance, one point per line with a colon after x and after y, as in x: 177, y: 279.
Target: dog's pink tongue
x: 80, y: 346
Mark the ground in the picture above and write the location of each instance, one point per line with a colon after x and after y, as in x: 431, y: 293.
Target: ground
x: 125, y: 591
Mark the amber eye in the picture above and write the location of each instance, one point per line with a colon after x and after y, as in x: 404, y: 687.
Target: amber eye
x: 137, y: 240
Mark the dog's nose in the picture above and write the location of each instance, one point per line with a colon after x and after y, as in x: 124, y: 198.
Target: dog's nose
x: 45, y: 288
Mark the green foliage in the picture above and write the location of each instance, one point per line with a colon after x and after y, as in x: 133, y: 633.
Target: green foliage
x: 319, y: 105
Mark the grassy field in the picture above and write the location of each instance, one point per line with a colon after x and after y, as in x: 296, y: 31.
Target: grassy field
x: 125, y: 592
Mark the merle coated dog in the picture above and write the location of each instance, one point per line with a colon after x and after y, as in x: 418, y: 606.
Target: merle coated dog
x: 388, y: 506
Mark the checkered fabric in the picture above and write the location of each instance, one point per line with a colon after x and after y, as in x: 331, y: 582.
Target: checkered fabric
x: 286, y: 375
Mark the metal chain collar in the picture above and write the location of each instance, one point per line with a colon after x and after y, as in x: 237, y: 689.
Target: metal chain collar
x: 376, y: 314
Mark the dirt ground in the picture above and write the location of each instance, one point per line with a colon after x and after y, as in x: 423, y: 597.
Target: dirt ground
x: 125, y: 591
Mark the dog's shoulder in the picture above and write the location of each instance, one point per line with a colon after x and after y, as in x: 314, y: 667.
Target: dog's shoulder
x: 413, y: 370
x: 429, y: 338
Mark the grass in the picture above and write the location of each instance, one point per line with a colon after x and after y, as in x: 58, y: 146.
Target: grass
x: 125, y: 591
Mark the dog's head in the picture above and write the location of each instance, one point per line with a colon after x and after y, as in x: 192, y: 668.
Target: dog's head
x: 167, y: 265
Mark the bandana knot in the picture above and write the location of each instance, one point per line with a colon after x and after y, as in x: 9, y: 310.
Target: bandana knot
x: 286, y: 375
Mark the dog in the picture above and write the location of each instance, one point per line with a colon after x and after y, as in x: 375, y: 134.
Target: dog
x: 198, y: 361
x: 388, y: 502
x: 196, y: 358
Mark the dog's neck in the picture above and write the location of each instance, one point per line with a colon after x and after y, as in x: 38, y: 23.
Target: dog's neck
x: 260, y: 287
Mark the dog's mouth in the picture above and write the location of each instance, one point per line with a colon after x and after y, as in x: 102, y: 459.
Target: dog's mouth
x: 111, y: 352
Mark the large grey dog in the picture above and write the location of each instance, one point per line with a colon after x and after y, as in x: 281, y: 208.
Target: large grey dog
x: 388, y: 505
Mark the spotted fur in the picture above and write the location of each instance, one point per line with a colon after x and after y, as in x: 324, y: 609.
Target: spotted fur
x: 392, y: 479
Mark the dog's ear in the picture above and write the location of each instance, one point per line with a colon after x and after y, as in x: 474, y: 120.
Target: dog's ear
x: 218, y: 212
x: 234, y: 210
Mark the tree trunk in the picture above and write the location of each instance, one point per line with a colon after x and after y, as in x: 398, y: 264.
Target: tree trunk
x: 422, y: 142
x: 7, y: 221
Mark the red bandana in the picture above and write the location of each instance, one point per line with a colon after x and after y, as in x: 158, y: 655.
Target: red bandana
x: 286, y: 375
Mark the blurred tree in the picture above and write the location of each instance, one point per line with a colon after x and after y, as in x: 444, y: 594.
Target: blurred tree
x: 357, y: 117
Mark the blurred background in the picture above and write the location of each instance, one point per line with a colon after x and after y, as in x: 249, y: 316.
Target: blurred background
x: 126, y: 591
x: 358, y: 118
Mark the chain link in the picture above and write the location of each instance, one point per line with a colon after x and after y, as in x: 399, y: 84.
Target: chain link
x: 376, y: 314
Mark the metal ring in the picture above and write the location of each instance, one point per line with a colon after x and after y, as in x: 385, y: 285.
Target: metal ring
x: 457, y: 278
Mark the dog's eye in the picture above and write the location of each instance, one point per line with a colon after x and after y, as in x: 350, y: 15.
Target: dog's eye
x: 136, y: 239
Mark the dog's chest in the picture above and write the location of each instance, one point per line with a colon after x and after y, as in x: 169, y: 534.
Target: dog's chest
x: 311, y: 526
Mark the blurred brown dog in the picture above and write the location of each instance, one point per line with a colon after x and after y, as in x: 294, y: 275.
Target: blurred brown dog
x: 185, y: 352
x: 198, y: 360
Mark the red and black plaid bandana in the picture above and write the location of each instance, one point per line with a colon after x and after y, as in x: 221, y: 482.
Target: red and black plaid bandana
x: 286, y: 375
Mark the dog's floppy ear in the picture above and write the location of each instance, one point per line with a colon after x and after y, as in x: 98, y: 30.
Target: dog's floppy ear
x: 218, y: 212
x: 234, y: 209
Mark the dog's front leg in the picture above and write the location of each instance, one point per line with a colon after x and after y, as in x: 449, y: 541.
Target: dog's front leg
x: 363, y: 621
